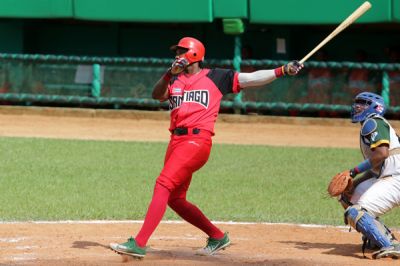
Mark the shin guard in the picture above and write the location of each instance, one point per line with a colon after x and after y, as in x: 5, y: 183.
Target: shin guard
x: 366, y: 224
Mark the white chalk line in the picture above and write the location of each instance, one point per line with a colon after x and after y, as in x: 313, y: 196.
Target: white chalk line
x: 23, y: 257
x: 164, y: 222
x: 11, y: 239
x: 346, y: 228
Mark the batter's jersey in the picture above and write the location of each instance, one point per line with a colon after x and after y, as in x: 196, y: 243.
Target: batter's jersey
x: 382, y: 133
x: 194, y: 100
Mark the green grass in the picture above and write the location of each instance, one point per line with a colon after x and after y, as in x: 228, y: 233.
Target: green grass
x: 42, y: 179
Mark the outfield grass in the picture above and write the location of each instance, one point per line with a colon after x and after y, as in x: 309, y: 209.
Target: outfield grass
x: 42, y: 179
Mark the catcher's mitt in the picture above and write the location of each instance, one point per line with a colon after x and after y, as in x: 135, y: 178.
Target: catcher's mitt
x: 340, y: 183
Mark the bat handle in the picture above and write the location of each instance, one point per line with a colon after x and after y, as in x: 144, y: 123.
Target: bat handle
x: 304, y: 59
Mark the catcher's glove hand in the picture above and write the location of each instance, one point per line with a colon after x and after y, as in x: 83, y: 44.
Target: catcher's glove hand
x: 341, y: 183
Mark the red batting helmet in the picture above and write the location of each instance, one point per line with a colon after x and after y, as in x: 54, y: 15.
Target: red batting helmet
x: 195, y: 49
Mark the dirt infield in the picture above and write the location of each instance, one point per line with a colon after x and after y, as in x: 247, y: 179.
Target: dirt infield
x: 153, y: 126
x: 174, y: 243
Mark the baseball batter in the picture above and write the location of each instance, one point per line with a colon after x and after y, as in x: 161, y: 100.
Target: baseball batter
x: 194, y: 95
x: 377, y: 189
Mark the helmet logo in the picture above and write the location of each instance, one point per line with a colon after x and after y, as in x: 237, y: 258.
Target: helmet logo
x: 379, y: 108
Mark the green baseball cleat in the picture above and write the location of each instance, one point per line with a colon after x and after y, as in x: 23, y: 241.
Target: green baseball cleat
x: 129, y: 248
x: 214, y: 245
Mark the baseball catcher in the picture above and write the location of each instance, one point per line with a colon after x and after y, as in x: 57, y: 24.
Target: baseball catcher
x: 372, y: 188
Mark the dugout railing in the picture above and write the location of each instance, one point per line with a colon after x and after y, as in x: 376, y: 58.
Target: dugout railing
x: 108, y: 82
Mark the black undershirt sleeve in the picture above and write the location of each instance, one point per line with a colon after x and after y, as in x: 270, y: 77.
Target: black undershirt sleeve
x: 223, y: 79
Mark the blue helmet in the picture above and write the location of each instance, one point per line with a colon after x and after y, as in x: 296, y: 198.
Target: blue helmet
x: 367, y: 104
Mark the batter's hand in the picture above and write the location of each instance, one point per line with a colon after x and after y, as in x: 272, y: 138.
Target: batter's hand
x: 292, y: 68
x: 178, y: 66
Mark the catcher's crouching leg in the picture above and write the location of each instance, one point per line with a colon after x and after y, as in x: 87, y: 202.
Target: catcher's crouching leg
x: 372, y: 230
x: 344, y: 200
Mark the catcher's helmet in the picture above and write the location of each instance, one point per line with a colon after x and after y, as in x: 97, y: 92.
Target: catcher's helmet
x: 195, y: 49
x: 365, y: 105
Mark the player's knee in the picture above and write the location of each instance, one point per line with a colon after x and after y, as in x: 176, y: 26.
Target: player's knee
x: 177, y: 199
x: 353, y: 214
x: 174, y: 202
x: 165, y: 182
x: 180, y: 206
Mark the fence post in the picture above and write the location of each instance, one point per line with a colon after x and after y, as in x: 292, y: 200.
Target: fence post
x: 235, y: 26
x: 385, y: 88
x: 237, y: 60
x: 96, y: 81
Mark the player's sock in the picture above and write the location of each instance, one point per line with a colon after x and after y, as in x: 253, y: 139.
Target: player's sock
x: 155, y: 212
x: 195, y: 216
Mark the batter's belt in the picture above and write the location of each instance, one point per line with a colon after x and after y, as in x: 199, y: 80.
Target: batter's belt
x: 185, y: 131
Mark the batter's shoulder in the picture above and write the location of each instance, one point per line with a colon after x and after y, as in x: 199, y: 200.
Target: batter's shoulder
x: 220, y: 71
x: 224, y: 79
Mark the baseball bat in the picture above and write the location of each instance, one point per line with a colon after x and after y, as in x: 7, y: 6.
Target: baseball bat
x: 348, y: 21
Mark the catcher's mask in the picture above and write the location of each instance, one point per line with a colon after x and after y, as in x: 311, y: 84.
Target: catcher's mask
x: 367, y: 104
x: 195, y: 50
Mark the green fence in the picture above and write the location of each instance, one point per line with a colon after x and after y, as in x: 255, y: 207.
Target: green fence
x: 128, y: 83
